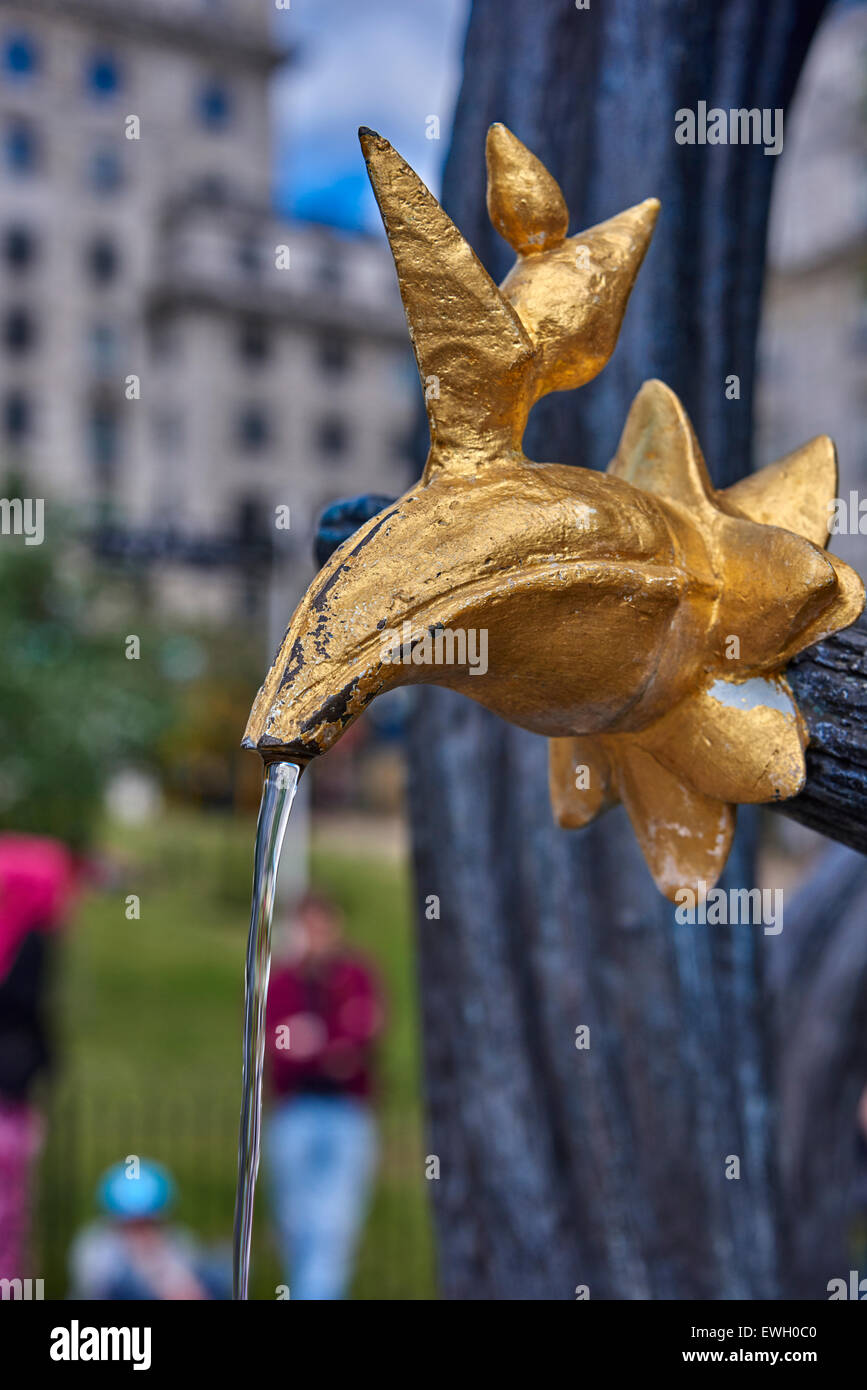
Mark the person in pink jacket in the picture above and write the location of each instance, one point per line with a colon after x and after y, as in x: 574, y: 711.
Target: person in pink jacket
x: 38, y: 879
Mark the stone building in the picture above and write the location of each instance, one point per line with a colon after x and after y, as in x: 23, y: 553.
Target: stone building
x: 813, y: 343
x: 176, y: 363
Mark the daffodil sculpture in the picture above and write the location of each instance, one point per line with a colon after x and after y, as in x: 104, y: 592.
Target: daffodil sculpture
x: 639, y: 619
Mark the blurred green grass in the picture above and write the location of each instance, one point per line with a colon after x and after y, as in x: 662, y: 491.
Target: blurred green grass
x: 149, y: 1017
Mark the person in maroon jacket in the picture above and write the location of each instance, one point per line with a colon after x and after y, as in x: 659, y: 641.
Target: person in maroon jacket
x: 324, y: 1012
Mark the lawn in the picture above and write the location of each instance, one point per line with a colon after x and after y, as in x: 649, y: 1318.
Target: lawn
x: 149, y: 1014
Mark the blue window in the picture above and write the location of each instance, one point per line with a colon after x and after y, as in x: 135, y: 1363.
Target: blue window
x: 104, y: 352
x: 329, y: 271
x: 104, y: 441
x: 212, y: 188
x: 104, y: 76
x: 215, y: 105
x: 105, y: 170
x: 333, y: 438
x: 19, y: 247
x: 249, y: 255
x: 334, y: 355
x: 254, y: 344
x: 17, y: 416
x: 253, y: 429
x: 20, y: 56
x: 102, y: 260
x: 19, y: 333
x: 20, y: 148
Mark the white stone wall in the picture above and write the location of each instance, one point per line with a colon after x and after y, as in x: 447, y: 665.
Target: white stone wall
x: 181, y: 294
x: 813, y: 343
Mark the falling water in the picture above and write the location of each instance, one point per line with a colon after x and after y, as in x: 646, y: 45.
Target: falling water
x: 281, y: 780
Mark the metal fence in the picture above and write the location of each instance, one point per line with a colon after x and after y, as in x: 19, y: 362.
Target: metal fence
x: 195, y: 1136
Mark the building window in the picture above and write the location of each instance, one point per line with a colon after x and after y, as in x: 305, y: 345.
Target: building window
x: 103, y: 348
x: 333, y: 356
x: 105, y: 170
x: 102, y: 260
x: 859, y: 337
x: 401, y: 446
x: 169, y: 432
x: 215, y: 105
x: 254, y: 537
x: 212, y: 188
x: 329, y: 271
x: 333, y: 438
x: 248, y: 254
x: 253, y: 428
x: 19, y: 333
x: 254, y: 343
x: 19, y: 248
x: 21, y: 148
x: 17, y: 417
x: 103, y: 76
x: 165, y: 338
x: 104, y: 440
x: 252, y: 521
x: 20, y: 56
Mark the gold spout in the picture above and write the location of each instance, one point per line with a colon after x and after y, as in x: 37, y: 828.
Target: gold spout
x: 638, y: 618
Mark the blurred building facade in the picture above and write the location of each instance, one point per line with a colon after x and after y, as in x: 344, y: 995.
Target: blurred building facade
x: 813, y: 343
x: 177, y: 363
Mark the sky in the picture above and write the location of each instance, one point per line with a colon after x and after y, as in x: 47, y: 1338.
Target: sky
x: 387, y: 64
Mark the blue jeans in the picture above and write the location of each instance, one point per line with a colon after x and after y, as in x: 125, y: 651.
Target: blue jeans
x: 321, y: 1153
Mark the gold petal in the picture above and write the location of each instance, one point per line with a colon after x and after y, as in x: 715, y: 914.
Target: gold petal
x: 738, y: 742
x: 795, y: 492
x: 525, y: 203
x: 572, y: 762
x: 658, y: 451
x: 571, y: 298
x: 844, y: 608
x: 472, y: 350
x: 684, y: 836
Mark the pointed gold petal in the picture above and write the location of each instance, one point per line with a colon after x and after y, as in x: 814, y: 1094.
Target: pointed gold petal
x: 796, y: 492
x: 684, y: 836
x: 738, y: 742
x: 579, y: 780
x: 658, y: 451
x: 571, y: 298
x: 849, y: 603
x: 842, y: 610
x: 472, y: 351
x: 524, y: 201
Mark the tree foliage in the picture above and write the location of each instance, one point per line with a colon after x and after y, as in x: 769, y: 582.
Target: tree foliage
x: 73, y: 706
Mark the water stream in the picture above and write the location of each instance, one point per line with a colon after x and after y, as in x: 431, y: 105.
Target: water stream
x: 278, y: 793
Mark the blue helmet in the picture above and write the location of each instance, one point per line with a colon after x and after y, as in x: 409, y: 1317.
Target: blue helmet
x: 136, y: 1192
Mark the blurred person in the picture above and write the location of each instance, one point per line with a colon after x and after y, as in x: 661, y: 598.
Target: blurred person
x: 324, y: 1012
x: 134, y: 1253
x: 38, y: 879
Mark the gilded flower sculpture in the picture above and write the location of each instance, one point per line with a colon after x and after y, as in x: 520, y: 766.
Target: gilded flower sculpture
x: 638, y: 618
